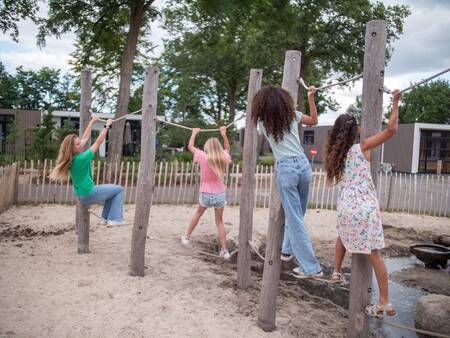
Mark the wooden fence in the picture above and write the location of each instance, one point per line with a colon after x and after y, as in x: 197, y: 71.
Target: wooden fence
x: 8, y: 186
x: 178, y: 183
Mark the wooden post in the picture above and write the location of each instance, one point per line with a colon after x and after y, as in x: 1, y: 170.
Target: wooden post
x: 244, y: 278
x: 82, y: 214
x: 439, y: 167
x: 372, y: 106
x: 16, y: 166
x: 145, y: 187
x: 272, y: 263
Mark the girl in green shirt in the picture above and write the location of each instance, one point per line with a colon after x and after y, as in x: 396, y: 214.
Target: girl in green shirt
x: 75, y: 163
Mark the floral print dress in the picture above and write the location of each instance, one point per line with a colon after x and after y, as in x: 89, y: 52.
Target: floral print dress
x: 359, y: 221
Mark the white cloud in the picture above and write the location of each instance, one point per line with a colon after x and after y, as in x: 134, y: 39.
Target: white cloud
x: 423, y: 50
x: 35, y: 60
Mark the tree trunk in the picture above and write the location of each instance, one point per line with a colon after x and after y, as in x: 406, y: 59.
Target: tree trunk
x: 126, y: 71
x: 232, y: 102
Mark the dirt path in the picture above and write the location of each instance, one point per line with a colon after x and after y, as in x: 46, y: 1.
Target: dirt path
x: 47, y: 290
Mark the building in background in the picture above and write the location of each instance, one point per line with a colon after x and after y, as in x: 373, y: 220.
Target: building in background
x: 132, y: 130
x: 27, y: 120
x: 418, y: 148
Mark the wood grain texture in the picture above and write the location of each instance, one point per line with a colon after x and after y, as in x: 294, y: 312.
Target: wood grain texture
x: 372, y: 106
x: 147, y: 168
x: 244, y: 279
x: 82, y: 214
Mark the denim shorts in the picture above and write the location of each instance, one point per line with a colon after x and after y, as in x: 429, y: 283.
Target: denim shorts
x: 216, y: 201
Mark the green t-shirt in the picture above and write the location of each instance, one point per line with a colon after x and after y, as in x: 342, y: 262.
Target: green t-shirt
x: 81, y: 173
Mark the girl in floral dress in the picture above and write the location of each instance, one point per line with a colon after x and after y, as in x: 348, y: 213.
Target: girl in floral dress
x: 359, y: 224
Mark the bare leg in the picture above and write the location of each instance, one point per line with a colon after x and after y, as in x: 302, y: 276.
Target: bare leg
x: 381, y: 273
x: 218, y: 213
x: 339, y: 254
x: 194, y: 221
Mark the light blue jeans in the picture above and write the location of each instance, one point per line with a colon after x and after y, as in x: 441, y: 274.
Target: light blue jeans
x: 293, y: 179
x: 111, y: 195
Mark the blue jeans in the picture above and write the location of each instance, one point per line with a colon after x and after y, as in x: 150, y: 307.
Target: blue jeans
x: 112, y: 197
x: 293, y: 177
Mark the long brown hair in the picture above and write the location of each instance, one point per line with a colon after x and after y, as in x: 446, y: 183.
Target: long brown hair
x: 273, y: 106
x: 341, y: 138
x: 216, y: 157
x: 65, y: 155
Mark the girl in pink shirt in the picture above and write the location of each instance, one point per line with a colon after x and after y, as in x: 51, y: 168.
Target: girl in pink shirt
x: 213, y: 163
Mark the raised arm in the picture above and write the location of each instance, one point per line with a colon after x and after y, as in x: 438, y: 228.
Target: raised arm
x: 87, y: 132
x: 391, y: 128
x: 191, y: 144
x: 101, y: 137
x: 226, y: 143
x: 312, y: 119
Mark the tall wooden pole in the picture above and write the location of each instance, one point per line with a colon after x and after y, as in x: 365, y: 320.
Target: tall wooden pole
x: 272, y: 264
x: 372, y: 107
x: 82, y: 215
x: 145, y: 187
x: 247, y: 200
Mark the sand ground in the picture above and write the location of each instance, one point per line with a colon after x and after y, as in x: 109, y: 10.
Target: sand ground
x: 48, y: 290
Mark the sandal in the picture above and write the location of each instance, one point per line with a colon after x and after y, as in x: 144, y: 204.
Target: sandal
x: 380, y: 310
x: 337, y: 277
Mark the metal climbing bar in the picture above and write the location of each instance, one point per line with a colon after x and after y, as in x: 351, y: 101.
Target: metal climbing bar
x: 388, y: 91
x: 357, y: 77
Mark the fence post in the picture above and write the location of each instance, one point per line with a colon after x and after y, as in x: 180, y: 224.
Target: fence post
x: 146, y: 182
x: 16, y: 183
x: 244, y: 278
x: 372, y: 105
x: 272, y: 263
x: 82, y: 218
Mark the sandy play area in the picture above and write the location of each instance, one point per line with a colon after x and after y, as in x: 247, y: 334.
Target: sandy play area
x: 48, y: 290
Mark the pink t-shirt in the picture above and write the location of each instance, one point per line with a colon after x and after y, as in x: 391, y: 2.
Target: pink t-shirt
x: 209, y: 182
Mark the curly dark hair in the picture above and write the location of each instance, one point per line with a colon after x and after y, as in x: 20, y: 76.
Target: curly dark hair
x: 273, y: 106
x: 341, y: 138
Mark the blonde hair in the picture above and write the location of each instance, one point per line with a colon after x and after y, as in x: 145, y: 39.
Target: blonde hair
x: 216, y: 158
x: 64, y: 160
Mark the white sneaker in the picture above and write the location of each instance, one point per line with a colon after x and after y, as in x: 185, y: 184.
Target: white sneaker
x: 115, y: 223
x: 225, y: 254
x: 286, y: 257
x: 300, y: 275
x: 185, y: 240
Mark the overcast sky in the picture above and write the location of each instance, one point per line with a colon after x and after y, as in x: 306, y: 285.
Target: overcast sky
x: 423, y: 49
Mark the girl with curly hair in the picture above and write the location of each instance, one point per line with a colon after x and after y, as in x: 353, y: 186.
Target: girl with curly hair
x: 359, y: 224
x: 273, y: 110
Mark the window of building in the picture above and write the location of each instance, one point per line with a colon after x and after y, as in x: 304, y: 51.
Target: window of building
x: 5, y: 125
x: 308, y: 137
x: 434, y: 147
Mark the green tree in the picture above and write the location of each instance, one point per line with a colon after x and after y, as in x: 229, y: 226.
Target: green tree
x: 215, y: 43
x: 43, y: 145
x: 355, y: 109
x: 12, y: 136
x: 429, y: 103
x: 107, y: 33
x: 45, y: 88
x: 12, y: 11
x: 66, y: 129
x: 8, y: 91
